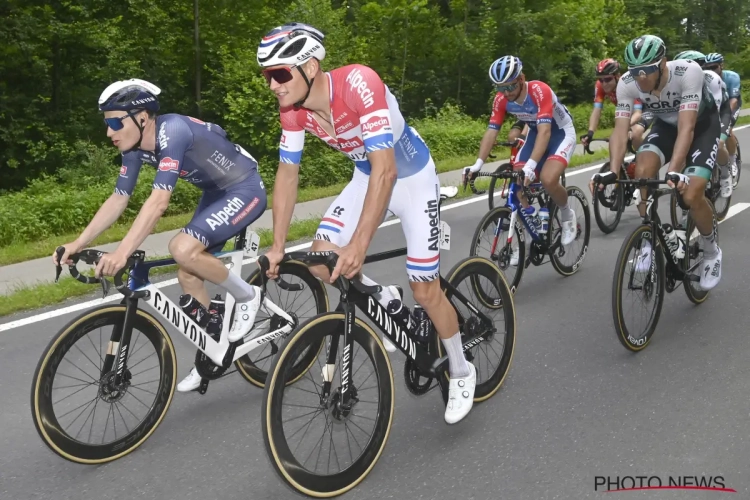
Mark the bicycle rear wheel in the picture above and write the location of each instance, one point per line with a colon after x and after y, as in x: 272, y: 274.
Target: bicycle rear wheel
x: 481, y: 283
x: 736, y: 177
x: 567, y: 260
x: 302, y: 305
x: 640, y: 273
x: 364, y: 428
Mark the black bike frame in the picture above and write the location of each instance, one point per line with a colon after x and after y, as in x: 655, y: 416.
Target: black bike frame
x: 393, y: 328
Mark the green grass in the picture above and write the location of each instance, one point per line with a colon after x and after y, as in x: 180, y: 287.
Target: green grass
x: 32, y: 296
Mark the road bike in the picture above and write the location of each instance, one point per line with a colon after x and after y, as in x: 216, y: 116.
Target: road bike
x: 500, y: 234
x: 350, y: 393
x: 118, y: 361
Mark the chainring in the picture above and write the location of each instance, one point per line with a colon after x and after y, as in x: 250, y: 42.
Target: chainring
x: 417, y: 383
x: 207, y: 369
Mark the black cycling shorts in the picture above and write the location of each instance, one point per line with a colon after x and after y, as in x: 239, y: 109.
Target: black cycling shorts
x: 701, y: 156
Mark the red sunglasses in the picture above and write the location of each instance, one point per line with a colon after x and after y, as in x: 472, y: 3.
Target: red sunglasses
x: 281, y: 75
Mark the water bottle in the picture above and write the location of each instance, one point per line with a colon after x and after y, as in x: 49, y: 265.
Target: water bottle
x: 543, y: 220
x: 682, y: 240
x: 424, y: 324
x: 216, y: 317
x: 673, y: 242
x: 398, y: 310
x: 194, y: 309
x: 531, y: 217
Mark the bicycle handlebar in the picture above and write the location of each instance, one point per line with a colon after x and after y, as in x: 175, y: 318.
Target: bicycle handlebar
x: 586, y: 147
x: 505, y: 173
x: 327, y: 258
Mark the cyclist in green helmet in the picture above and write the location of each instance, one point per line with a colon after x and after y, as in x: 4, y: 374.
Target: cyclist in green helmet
x: 718, y: 89
x: 685, y: 134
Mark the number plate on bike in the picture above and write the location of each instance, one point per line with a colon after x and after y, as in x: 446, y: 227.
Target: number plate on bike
x: 252, y: 243
x: 445, y: 236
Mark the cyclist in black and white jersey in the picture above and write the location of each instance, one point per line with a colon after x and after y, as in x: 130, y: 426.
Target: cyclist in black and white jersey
x: 685, y: 133
x: 718, y: 89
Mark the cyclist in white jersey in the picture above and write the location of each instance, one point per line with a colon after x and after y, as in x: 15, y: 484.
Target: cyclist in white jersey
x: 685, y: 133
x: 352, y: 110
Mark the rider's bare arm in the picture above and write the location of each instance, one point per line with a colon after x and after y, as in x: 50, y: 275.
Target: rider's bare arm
x: 150, y: 213
x: 284, y: 199
x: 488, y: 142
x: 108, y: 213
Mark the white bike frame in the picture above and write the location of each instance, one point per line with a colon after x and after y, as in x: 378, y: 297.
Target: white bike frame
x: 197, y: 336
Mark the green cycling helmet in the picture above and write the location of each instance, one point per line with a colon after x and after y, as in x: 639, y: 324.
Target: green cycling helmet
x: 691, y: 55
x: 645, y: 50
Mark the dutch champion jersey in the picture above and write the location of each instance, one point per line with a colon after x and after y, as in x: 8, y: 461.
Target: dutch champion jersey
x: 365, y: 118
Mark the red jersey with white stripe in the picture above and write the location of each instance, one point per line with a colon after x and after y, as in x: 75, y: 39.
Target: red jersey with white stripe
x: 365, y: 117
x: 540, y: 106
x: 600, y: 94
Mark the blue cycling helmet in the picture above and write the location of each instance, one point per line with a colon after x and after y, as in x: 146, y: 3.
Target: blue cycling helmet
x: 127, y: 95
x: 714, y: 58
x: 505, y: 69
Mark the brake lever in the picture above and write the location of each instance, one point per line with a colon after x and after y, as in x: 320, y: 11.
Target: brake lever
x: 60, y: 251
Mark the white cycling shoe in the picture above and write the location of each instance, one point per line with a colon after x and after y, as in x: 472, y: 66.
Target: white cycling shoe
x: 569, y: 229
x: 244, y: 316
x: 191, y: 382
x: 726, y: 187
x: 711, y: 271
x: 461, y: 396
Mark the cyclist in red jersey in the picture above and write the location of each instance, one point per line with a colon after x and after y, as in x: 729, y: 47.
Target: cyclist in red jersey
x: 607, y: 76
x: 352, y: 110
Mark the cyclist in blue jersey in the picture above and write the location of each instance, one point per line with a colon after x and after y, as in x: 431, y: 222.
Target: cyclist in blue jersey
x: 715, y: 62
x: 179, y: 147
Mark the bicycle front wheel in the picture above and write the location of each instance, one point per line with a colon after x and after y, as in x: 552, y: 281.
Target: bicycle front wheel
x: 502, y: 184
x: 72, y: 397
x: 609, y: 204
x: 639, y: 278
x: 317, y: 447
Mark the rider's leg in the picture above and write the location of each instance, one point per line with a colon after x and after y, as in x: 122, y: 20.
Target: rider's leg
x: 219, y: 217
x: 415, y: 201
x: 523, y: 156
x: 561, y: 146
x: 336, y: 229
x: 701, y: 159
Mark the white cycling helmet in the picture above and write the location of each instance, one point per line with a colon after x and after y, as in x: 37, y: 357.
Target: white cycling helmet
x: 292, y: 44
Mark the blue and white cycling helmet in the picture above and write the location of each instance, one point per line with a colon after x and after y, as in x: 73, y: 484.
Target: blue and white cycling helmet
x: 505, y: 69
x: 128, y: 95
x: 714, y: 58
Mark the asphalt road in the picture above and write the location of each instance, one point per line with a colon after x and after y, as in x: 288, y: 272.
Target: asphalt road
x: 576, y: 404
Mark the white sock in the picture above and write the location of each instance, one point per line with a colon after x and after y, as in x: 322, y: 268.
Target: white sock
x: 724, y: 172
x: 710, y: 248
x: 567, y: 213
x: 457, y: 364
x: 385, y: 295
x: 240, y: 290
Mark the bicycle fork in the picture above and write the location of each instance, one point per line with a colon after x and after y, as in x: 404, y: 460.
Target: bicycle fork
x: 118, y: 349
x: 346, y: 390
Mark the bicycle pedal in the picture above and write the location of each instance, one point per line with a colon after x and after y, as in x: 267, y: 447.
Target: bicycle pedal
x: 203, y: 387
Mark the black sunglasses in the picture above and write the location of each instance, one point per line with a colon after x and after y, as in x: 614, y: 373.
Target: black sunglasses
x: 281, y: 75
